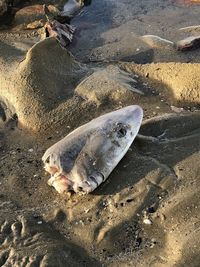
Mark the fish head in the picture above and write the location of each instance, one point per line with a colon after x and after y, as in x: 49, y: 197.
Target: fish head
x: 105, y: 147
x: 84, y: 159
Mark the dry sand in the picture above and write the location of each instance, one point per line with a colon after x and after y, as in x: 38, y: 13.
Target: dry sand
x: 147, y: 212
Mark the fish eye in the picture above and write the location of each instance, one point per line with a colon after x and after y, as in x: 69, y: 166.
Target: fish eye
x: 121, y: 130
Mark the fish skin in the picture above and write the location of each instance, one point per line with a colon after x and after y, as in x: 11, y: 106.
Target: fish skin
x: 87, y: 156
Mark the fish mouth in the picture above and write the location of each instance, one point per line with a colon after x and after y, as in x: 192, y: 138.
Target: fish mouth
x: 60, y: 182
x: 63, y: 184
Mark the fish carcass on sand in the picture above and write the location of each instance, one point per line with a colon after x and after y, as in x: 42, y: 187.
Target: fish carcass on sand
x: 84, y: 159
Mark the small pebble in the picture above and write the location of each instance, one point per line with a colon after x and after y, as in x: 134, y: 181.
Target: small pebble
x: 87, y: 210
x: 153, y: 243
x: 81, y: 222
x: 147, y: 221
x: 30, y: 150
x: 39, y: 222
x: 177, y: 110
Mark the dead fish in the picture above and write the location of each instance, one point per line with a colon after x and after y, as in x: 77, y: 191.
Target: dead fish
x: 190, y: 43
x: 155, y: 41
x: 85, y: 158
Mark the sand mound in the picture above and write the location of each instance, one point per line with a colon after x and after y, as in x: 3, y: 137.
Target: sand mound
x: 49, y: 81
x: 180, y: 80
x: 40, y: 83
x: 108, y: 84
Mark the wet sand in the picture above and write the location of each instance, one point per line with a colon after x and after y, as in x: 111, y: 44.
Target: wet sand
x: 147, y: 212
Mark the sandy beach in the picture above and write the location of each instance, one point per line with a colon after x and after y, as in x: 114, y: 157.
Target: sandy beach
x: 146, y: 214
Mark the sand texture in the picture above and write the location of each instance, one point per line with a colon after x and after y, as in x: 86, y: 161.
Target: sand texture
x: 146, y: 214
